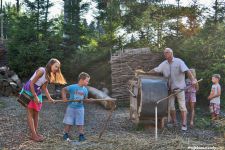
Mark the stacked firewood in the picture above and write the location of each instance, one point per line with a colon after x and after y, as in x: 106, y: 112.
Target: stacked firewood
x: 123, y: 66
x: 10, y: 83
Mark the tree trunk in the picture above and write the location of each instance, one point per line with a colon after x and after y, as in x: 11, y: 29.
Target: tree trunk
x: 216, y: 12
x: 71, y: 23
x: 46, y: 17
x: 178, y: 7
x: 1, y: 6
x: 38, y: 14
x: 17, y: 5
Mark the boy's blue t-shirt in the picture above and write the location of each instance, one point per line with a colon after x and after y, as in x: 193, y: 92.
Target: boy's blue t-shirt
x: 77, y: 93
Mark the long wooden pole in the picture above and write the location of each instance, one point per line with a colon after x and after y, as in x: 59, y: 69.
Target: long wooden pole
x: 158, y: 101
x: 77, y: 100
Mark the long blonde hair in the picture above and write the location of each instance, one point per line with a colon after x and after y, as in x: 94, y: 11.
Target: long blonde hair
x: 192, y: 70
x: 54, y: 77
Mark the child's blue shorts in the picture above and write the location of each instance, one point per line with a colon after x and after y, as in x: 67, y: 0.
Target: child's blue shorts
x: 74, y: 116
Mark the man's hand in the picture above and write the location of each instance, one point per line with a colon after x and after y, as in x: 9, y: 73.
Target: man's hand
x: 139, y: 71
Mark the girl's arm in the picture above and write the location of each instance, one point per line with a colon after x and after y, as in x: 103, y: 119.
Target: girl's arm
x: 45, y: 89
x: 191, y: 77
x: 63, y: 93
x: 38, y: 75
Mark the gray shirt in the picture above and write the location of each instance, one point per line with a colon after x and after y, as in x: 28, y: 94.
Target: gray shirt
x: 215, y: 88
x: 175, y: 72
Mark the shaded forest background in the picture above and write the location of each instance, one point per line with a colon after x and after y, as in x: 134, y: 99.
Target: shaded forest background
x: 195, y: 33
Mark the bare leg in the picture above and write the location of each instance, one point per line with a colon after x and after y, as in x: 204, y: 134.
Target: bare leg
x: 36, y: 116
x: 188, y: 109
x: 184, y: 117
x: 216, y: 117
x: 67, y: 128
x: 80, y: 129
x: 31, y: 124
x: 213, y: 117
x: 173, y: 116
x: 192, y: 106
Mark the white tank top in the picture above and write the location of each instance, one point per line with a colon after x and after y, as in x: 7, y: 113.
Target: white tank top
x: 215, y: 87
x: 42, y: 79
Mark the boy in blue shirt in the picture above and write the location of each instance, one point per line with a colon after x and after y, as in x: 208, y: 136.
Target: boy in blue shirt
x: 75, y: 110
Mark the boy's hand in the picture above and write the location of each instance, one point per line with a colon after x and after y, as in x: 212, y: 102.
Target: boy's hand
x: 65, y: 100
x: 91, y: 100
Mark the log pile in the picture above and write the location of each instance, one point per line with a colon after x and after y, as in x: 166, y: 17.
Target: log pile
x: 3, y: 55
x: 10, y: 83
x: 123, y: 65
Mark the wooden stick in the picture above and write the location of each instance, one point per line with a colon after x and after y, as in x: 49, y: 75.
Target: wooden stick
x: 132, y: 93
x: 107, y: 120
x: 77, y: 100
x: 158, y: 101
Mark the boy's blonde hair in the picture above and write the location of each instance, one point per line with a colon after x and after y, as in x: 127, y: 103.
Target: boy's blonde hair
x: 216, y: 76
x: 83, y: 76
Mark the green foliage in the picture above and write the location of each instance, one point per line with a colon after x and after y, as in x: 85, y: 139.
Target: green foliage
x: 33, y: 38
x: 139, y: 127
x: 206, y: 53
x: 202, y: 118
x: 26, y: 50
x: 2, y: 104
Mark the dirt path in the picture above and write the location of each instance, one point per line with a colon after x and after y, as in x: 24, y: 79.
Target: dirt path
x: 121, y: 134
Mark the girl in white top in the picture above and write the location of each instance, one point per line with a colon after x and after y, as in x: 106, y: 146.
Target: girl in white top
x: 38, y: 82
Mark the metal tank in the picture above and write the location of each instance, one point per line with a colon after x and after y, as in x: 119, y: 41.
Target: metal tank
x: 144, y: 93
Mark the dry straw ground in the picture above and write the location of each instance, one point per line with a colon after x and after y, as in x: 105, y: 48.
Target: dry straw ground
x: 121, y: 134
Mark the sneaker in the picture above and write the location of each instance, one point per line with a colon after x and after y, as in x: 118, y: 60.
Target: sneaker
x: 184, y: 127
x: 82, y: 138
x: 66, y: 137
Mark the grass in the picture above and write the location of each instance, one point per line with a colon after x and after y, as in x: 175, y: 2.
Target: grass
x: 2, y: 104
x: 139, y: 127
x: 202, y: 119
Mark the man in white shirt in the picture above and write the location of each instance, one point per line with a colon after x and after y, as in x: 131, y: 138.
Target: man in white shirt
x: 174, y: 69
